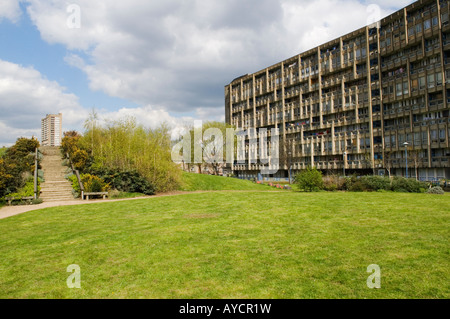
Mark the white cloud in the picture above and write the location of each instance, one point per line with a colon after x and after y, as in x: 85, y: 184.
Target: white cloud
x: 26, y: 97
x: 173, y: 58
x: 10, y: 9
x: 181, y: 54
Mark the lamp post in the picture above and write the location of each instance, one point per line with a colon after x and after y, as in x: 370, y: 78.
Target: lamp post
x: 343, y: 158
x: 406, y: 157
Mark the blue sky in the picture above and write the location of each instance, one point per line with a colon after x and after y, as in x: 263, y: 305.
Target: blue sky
x: 159, y: 61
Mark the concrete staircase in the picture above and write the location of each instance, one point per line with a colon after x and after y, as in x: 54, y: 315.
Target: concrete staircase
x: 55, y: 187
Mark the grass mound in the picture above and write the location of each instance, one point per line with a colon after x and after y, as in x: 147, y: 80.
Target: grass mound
x: 200, y: 182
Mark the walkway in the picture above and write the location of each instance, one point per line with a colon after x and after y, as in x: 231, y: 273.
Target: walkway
x: 8, y: 211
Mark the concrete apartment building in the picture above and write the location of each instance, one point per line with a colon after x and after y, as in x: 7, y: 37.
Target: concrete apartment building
x: 51, y: 130
x: 351, y: 103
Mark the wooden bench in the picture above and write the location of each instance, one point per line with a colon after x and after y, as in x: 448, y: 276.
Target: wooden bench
x: 87, y: 194
x: 28, y: 199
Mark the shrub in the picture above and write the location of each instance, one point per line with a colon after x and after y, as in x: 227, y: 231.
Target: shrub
x: 357, y: 186
x: 310, y: 179
x: 436, y: 190
x: 407, y: 185
x: 375, y: 183
x: 91, y: 183
x: 26, y: 191
x: 126, y: 181
x: 331, y: 183
x: 37, y: 201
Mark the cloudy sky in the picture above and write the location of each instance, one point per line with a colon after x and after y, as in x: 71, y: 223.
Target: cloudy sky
x: 160, y: 61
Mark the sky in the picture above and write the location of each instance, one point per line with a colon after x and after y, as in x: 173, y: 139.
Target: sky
x: 158, y: 61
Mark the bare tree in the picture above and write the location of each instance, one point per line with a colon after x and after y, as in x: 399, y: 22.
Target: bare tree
x: 387, y: 162
x: 414, y: 156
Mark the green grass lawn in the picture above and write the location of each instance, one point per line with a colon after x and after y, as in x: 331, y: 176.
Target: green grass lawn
x: 196, y: 182
x: 247, y: 244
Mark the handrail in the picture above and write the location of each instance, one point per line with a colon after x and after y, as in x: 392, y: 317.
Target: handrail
x: 77, y: 174
x: 36, y: 174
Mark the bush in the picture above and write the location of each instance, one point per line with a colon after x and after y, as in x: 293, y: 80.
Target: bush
x: 126, y: 181
x: 375, y: 183
x: 436, y: 190
x: 357, y: 186
x: 91, y: 183
x: 37, y: 201
x: 407, y: 185
x: 26, y: 191
x: 309, y: 179
x: 330, y: 183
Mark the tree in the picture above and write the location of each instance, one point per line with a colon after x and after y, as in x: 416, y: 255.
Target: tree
x: 15, y: 163
x: 212, y: 140
x: 387, y: 158
x: 414, y: 156
x: 309, y: 179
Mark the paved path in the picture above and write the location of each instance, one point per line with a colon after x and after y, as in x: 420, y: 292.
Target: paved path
x: 8, y: 211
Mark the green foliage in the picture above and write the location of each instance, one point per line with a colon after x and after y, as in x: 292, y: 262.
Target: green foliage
x: 76, y: 187
x: 375, y: 183
x: 80, y: 159
x: 2, y: 151
x: 7, y: 180
x: 436, y: 190
x: 408, y: 185
x: 213, y: 148
x: 125, y: 181
x: 310, y: 179
x: 124, y: 146
x: 15, y: 163
x: 357, y: 186
x: 71, y: 145
x: 26, y: 191
x: 91, y: 183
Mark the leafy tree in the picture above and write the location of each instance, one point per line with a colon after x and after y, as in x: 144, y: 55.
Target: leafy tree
x: 16, y: 162
x: 124, y: 145
x: 213, y: 148
x: 309, y: 179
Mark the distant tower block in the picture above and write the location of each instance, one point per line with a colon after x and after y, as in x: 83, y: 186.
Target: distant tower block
x: 51, y: 130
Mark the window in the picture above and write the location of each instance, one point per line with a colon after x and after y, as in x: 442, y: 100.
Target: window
x: 430, y: 80
x: 439, y: 78
x: 424, y: 137
x: 435, y: 21
x: 433, y: 134
x: 405, y: 88
x: 398, y: 89
x: 411, y: 31
x: 444, y: 18
x: 418, y: 28
x: 442, y: 135
x: 427, y: 24
x: 421, y: 83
